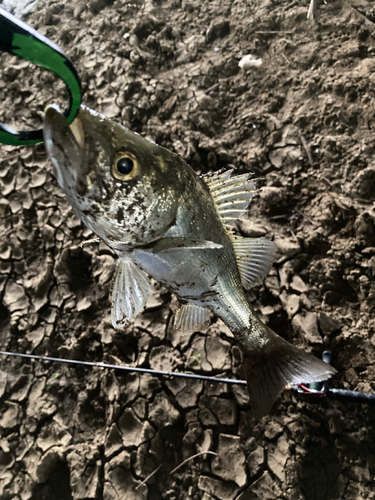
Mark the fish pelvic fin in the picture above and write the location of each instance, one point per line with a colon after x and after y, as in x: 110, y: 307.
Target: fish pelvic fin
x: 281, y: 364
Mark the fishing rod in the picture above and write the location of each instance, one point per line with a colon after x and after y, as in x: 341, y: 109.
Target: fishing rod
x: 127, y: 368
x: 321, y: 390
x: 311, y: 392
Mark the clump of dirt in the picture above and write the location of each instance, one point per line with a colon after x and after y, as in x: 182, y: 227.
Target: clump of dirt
x: 303, y: 122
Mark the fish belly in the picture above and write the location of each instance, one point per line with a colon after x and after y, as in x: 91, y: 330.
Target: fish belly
x: 191, y: 276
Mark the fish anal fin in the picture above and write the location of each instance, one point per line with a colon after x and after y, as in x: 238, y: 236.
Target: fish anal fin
x: 130, y: 290
x: 255, y: 257
x: 191, y: 318
x: 282, y: 364
x: 231, y: 194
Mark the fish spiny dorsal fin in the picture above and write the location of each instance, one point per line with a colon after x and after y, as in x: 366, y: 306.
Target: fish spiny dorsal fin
x: 231, y: 194
x: 255, y: 257
x: 130, y: 291
x: 191, y: 318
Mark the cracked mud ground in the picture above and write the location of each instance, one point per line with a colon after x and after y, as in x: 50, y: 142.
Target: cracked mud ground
x: 303, y: 121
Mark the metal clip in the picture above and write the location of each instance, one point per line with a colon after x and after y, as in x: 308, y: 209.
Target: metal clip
x: 18, y: 38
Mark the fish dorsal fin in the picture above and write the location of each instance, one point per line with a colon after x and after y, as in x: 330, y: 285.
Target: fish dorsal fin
x: 191, y: 318
x: 255, y: 257
x: 231, y: 194
x: 130, y: 291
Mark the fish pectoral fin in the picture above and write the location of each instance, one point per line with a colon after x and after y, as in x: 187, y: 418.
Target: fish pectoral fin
x: 255, y: 257
x: 130, y: 291
x: 191, y: 318
x: 168, y: 245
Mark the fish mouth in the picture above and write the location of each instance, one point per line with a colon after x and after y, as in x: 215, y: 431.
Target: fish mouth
x: 64, y: 143
x: 54, y: 120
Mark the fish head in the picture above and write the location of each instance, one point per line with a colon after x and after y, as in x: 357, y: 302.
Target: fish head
x: 124, y: 188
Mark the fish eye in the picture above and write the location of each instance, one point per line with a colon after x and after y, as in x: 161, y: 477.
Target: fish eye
x: 125, y: 166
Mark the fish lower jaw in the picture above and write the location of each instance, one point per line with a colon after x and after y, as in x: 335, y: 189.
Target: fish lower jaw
x: 119, y: 247
x: 118, y: 242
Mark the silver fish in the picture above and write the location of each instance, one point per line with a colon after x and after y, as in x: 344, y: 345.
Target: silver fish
x: 164, y: 221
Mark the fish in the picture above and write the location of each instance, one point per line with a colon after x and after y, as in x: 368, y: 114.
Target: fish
x: 165, y: 222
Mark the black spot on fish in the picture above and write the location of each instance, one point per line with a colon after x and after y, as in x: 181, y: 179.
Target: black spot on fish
x: 81, y: 187
x: 130, y: 209
x: 120, y: 215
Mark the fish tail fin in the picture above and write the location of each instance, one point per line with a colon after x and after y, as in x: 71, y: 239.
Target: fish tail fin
x: 278, y: 364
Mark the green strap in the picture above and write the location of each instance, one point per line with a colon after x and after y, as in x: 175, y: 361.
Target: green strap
x: 18, y: 38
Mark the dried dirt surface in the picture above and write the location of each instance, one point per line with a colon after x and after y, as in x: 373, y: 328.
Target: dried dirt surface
x: 304, y: 122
